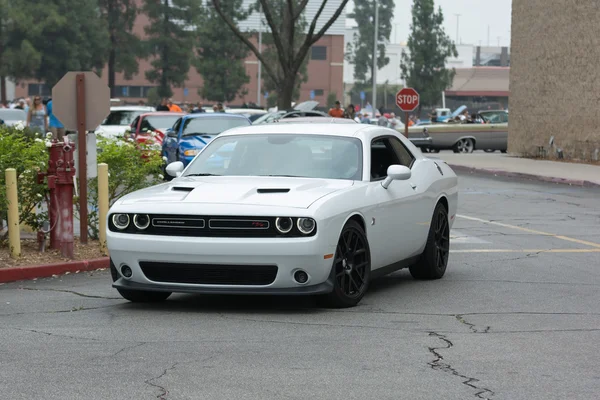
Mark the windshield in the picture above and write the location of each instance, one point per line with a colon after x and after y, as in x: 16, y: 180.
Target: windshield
x: 211, y: 125
x: 159, y: 122
x: 121, y: 117
x: 495, y: 117
x: 310, y: 156
x: 268, y: 117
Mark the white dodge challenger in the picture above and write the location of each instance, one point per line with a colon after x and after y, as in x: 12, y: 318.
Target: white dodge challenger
x: 299, y: 209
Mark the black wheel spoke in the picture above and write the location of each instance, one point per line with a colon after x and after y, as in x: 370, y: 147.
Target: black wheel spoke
x: 351, y: 262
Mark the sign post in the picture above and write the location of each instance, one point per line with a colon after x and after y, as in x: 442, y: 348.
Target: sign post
x: 407, y: 99
x: 81, y: 101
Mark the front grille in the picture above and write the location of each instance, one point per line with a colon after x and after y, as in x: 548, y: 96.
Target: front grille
x: 209, y: 274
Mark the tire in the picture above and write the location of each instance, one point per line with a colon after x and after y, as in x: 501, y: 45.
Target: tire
x: 503, y: 151
x: 434, y: 260
x: 464, y: 146
x: 137, y: 296
x: 489, y: 150
x: 351, y: 263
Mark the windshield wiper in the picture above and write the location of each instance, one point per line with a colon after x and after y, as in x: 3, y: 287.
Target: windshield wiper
x: 196, y: 134
x: 203, y: 174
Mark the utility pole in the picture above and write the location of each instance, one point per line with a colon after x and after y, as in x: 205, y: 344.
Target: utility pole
x: 375, y: 41
x: 258, y: 84
x: 488, y: 45
x: 499, y: 37
x: 457, y: 25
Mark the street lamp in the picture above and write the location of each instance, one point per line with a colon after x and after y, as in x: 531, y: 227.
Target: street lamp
x: 457, y: 25
x: 258, y: 84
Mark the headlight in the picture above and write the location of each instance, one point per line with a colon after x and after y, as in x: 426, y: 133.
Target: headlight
x: 141, y: 221
x: 120, y: 221
x: 306, y: 225
x: 190, y: 153
x: 284, y: 224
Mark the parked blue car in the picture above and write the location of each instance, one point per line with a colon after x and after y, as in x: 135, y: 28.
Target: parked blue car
x: 192, y: 132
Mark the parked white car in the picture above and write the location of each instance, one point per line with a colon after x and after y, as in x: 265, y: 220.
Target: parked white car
x: 11, y: 116
x: 120, y: 119
x: 300, y: 209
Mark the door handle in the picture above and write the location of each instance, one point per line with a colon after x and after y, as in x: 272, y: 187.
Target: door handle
x: 412, y: 185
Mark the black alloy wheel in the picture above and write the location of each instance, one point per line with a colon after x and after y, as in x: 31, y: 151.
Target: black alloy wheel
x: 434, y: 260
x: 351, y: 267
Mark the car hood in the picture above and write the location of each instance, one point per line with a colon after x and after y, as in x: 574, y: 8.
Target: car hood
x: 111, y: 131
x: 196, y: 141
x: 251, y: 190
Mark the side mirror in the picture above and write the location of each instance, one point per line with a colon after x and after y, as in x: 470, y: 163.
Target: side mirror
x: 175, y: 169
x: 396, y: 173
x: 171, y: 133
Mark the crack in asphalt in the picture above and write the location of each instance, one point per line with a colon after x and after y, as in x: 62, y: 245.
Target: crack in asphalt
x: 73, y: 309
x: 472, y: 327
x: 439, y: 364
x: 130, y: 347
x: 52, y: 334
x: 164, y: 391
x: 89, y: 296
x: 524, y: 282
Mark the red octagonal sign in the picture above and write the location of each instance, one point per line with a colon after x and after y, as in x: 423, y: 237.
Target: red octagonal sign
x: 407, y: 99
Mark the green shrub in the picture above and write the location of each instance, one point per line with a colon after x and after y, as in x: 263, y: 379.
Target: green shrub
x: 128, y: 172
x: 22, y: 150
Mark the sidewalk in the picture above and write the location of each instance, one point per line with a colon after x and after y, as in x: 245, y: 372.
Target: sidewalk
x: 507, y: 165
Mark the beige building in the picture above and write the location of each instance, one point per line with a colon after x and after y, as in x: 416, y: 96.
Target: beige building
x: 555, y: 79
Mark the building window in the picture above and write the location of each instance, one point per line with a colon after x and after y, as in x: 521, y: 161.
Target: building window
x: 319, y: 92
x: 318, y: 53
x: 133, y: 91
x: 39, y: 89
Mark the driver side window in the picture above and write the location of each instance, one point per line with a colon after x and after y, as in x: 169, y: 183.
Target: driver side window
x: 386, y: 151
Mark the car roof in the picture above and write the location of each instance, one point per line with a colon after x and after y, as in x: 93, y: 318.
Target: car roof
x: 215, y: 115
x: 305, y: 128
x: 132, y: 108
x: 162, y: 113
x: 316, y: 120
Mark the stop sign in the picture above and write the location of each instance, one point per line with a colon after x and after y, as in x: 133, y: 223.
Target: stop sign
x: 407, y: 99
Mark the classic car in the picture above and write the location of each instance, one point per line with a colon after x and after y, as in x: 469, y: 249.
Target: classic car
x: 463, y: 137
x: 304, y: 109
x: 150, y: 128
x: 120, y: 119
x: 296, y: 209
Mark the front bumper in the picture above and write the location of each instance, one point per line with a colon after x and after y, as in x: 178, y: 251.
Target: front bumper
x: 288, y: 254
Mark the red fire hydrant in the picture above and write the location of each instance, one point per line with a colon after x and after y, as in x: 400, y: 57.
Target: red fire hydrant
x: 61, y: 170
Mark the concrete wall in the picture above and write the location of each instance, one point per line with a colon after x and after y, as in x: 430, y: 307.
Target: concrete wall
x: 555, y: 78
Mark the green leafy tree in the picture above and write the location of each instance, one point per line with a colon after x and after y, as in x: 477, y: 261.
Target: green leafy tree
x: 271, y: 56
x: 291, y: 52
x: 170, y: 41
x: 360, y: 51
x: 424, y: 66
x: 18, y: 57
x: 124, y: 45
x: 69, y: 35
x: 221, y: 55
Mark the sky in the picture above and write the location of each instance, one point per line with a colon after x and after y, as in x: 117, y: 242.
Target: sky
x: 476, y: 16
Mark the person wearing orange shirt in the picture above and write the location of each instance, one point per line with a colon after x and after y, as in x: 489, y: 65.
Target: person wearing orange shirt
x: 337, y: 111
x: 173, y: 107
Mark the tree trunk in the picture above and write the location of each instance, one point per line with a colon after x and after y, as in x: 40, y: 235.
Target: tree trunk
x: 285, y: 92
x: 111, y: 71
x: 2, y: 92
x: 164, y: 88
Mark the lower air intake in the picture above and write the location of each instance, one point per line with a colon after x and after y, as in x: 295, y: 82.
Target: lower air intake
x: 209, y: 274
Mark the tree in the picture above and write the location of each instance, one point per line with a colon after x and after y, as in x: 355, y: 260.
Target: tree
x: 69, y: 36
x: 284, y: 38
x: 360, y: 51
x: 171, y: 40
x: 18, y: 58
x: 270, y: 52
x: 424, y: 67
x: 222, y: 55
x: 125, y: 46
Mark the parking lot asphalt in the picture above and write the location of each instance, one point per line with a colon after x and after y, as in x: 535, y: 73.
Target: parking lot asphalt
x: 515, y: 317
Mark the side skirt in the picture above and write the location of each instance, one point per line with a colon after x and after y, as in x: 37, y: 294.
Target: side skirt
x: 388, y: 269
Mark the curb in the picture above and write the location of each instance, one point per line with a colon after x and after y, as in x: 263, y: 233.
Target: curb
x: 549, y: 179
x: 12, y: 274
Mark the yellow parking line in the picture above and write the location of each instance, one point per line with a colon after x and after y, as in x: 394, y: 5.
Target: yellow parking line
x: 526, y: 251
x: 561, y: 237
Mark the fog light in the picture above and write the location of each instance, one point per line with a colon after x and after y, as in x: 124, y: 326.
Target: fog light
x: 126, y: 271
x: 284, y: 224
x: 300, y: 276
x: 306, y: 225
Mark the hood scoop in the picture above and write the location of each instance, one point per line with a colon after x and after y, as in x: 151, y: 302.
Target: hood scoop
x: 182, y: 188
x: 275, y: 190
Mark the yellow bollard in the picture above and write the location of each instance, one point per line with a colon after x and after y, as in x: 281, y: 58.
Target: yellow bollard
x: 14, y: 232
x: 102, y: 203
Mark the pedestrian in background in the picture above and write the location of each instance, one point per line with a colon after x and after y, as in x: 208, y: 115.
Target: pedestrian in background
x: 336, y: 111
x: 37, y: 119
x: 56, y: 127
x: 350, y: 112
x: 173, y: 107
x: 163, y: 105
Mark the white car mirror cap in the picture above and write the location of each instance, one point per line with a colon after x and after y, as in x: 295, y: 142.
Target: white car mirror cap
x: 396, y: 173
x: 175, y: 169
